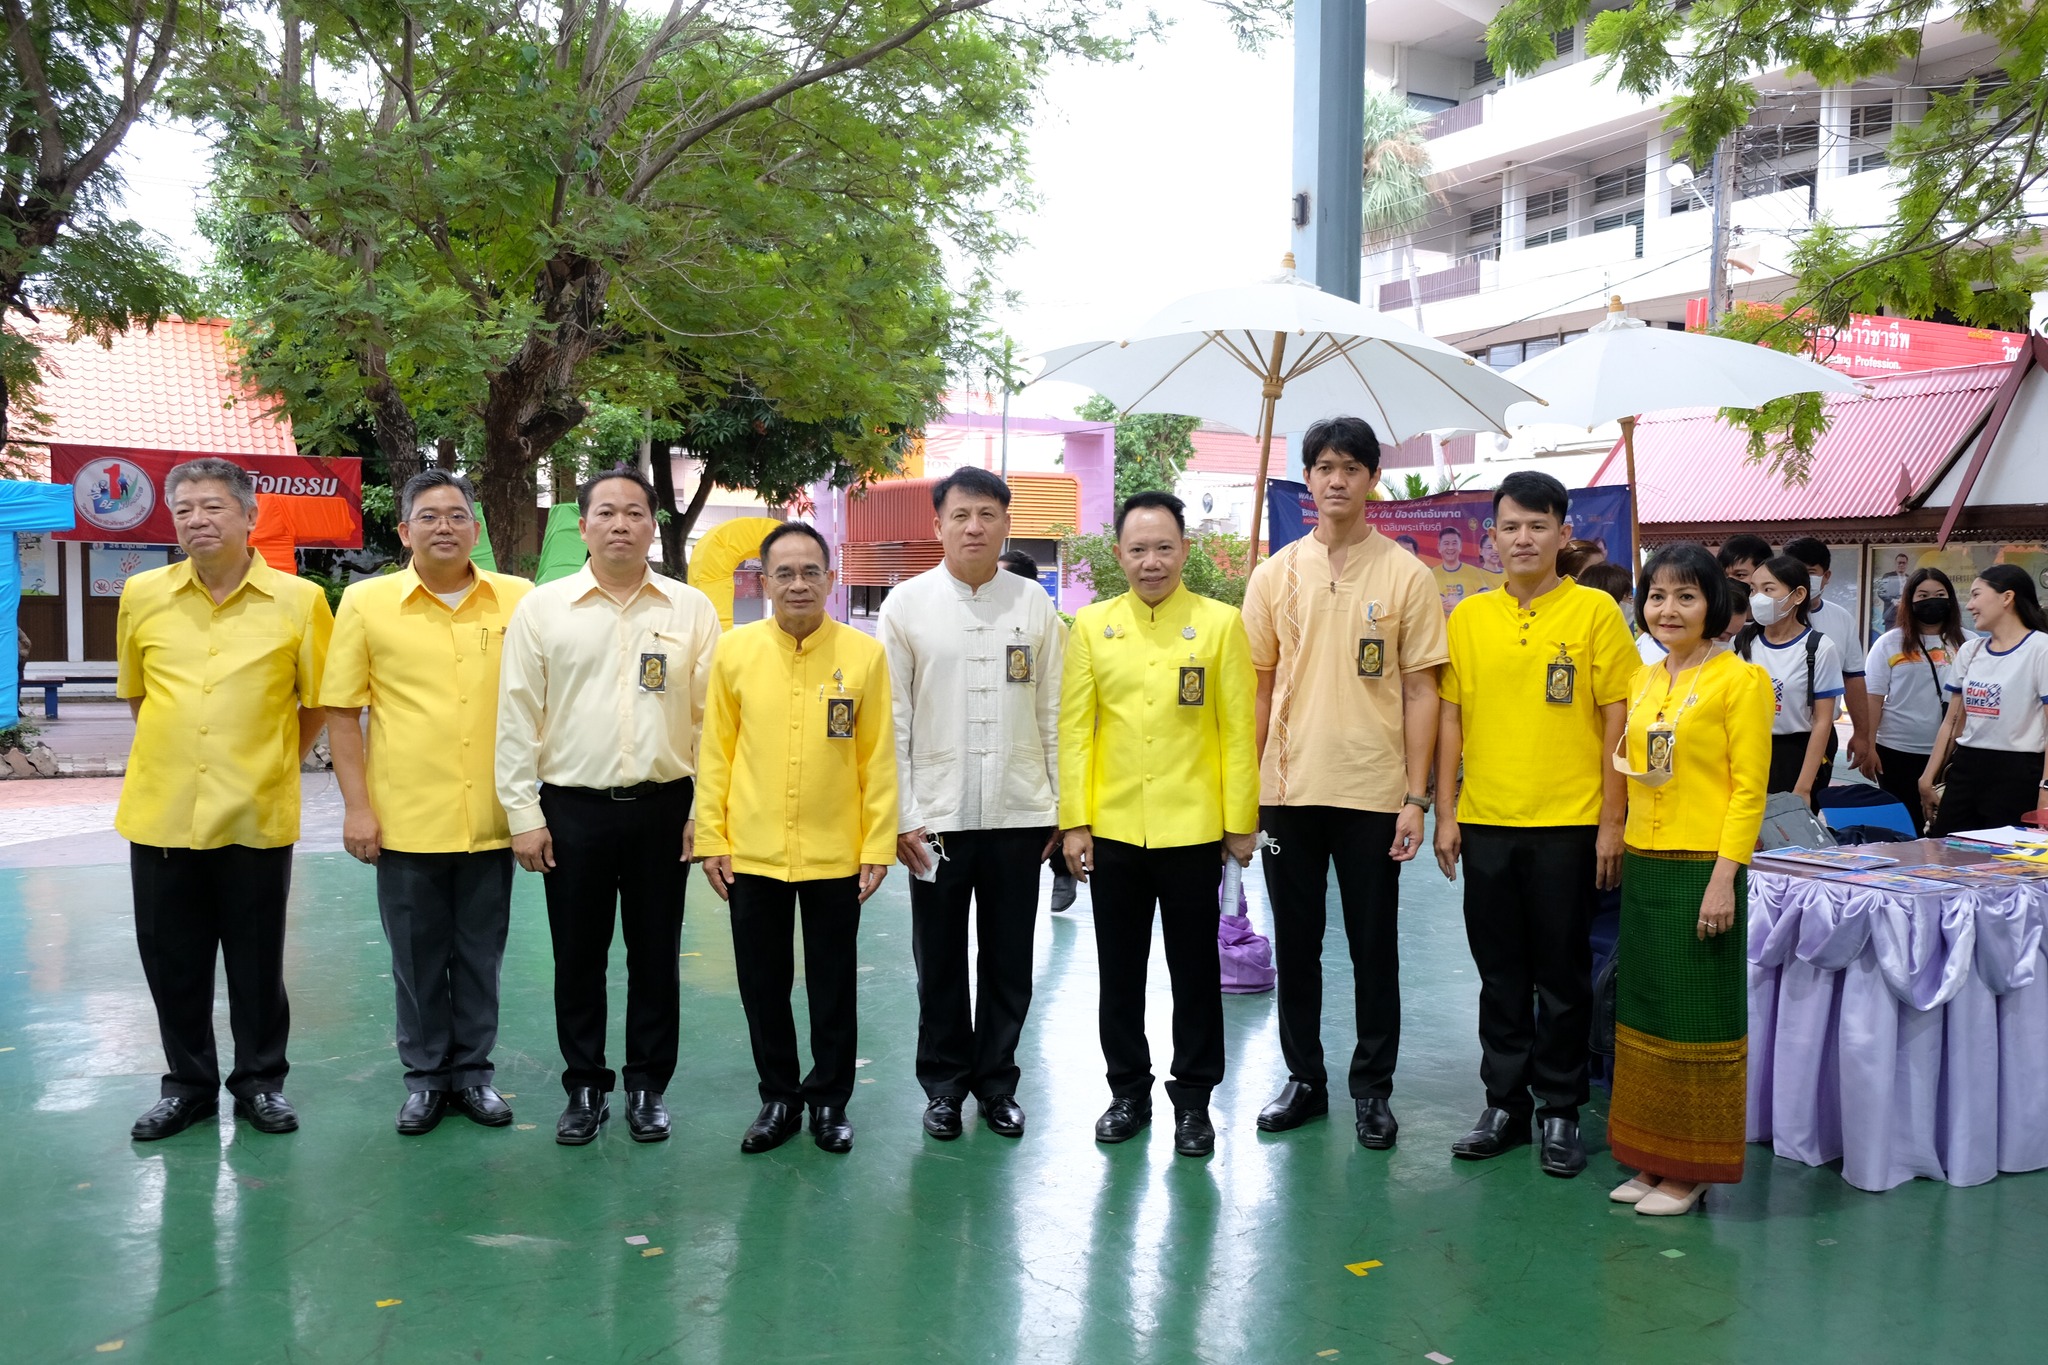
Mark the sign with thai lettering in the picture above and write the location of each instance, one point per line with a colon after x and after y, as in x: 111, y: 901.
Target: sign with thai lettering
x: 119, y: 492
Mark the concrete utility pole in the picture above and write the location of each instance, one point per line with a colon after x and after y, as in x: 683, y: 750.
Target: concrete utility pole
x: 1725, y: 157
x: 1329, y: 142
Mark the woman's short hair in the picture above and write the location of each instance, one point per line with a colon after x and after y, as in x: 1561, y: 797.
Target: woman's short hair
x: 1687, y: 564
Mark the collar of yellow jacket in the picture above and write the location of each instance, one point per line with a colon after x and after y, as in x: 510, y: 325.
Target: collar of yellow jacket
x: 409, y: 583
x: 1178, y: 603
x: 789, y: 642
x: 260, y: 578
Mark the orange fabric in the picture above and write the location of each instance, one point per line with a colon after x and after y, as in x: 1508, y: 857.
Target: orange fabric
x: 285, y: 521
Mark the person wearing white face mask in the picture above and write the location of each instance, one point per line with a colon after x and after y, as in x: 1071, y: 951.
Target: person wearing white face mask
x: 1838, y: 623
x: 1696, y: 751
x: 1805, y: 671
x: 1908, y: 669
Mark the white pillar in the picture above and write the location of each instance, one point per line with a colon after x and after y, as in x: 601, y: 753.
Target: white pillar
x: 74, y: 601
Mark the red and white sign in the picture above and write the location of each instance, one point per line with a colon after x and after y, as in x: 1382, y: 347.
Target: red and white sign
x: 1873, y: 345
x: 119, y: 492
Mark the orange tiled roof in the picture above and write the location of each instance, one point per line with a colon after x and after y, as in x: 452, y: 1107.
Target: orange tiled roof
x: 173, y: 388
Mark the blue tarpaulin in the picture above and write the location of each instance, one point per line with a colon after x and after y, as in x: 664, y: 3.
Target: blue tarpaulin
x: 31, y: 507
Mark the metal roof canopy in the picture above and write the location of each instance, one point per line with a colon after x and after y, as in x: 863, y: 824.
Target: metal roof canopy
x: 2009, y: 466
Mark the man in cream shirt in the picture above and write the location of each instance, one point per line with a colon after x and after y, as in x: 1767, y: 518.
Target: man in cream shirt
x: 974, y: 664
x: 600, y: 705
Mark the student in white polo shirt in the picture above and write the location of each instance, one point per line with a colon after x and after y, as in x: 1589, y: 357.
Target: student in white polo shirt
x: 1997, y: 724
x: 1908, y: 672
x: 1806, y: 675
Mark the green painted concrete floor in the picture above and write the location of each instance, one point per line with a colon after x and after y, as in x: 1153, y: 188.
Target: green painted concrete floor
x: 345, y: 1242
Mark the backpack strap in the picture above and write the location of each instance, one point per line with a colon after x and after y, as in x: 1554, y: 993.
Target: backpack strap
x: 1813, y: 638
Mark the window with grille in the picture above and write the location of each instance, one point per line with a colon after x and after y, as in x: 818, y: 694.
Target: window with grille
x: 1549, y: 203
x: 1624, y: 183
x: 1871, y: 122
x: 1566, y: 39
x: 1556, y: 234
x: 1613, y: 222
x: 1482, y: 234
x: 1868, y: 161
x: 1482, y: 71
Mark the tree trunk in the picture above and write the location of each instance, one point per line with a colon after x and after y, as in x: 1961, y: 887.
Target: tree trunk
x: 444, y: 454
x: 398, y: 437
x: 678, y: 523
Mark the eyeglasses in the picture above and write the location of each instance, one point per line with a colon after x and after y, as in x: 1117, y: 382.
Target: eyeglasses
x: 810, y: 573
x: 454, y: 521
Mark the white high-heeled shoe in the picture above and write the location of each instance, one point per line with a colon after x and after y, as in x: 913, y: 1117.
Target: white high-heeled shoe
x: 1631, y: 1191
x: 1659, y: 1204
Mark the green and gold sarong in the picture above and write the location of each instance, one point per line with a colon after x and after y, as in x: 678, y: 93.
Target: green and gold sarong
x: 1681, y: 1014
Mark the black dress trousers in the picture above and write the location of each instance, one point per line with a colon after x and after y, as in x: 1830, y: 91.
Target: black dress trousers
x: 1309, y: 840
x: 1530, y: 897
x: 965, y: 1048
x: 764, y: 958
x: 191, y: 904
x: 1183, y: 883
x: 617, y: 853
x: 446, y: 915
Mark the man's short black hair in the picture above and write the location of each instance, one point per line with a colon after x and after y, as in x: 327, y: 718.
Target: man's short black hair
x: 1352, y: 436
x: 1536, y: 491
x: 1686, y: 562
x: 1810, y: 552
x: 973, y: 480
x: 1408, y: 543
x: 1737, y: 549
x: 1153, y: 498
x: 428, y: 479
x: 1019, y: 563
x: 1611, y: 579
x: 1443, y: 531
x: 617, y: 471
x: 795, y: 528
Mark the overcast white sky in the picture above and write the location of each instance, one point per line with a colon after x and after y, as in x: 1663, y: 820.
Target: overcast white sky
x: 1157, y: 177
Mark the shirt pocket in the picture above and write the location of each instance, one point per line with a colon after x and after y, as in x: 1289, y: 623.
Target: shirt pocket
x: 934, y: 780
x: 1026, y: 786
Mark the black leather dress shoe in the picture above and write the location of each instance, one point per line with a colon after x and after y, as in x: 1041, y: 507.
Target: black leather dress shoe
x: 942, y: 1117
x: 1296, y: 1104
x: 421, y: 1112
x: 1376, y: 1126
x: 1496, y: 1131
x: 268, y: 1111
x: 172, y: 1114
x: 831, y: 1129
x: 1063, y: 891
x: 1193, y: 1134
x: 1122, y: 1120
x: 646, y: 1116
x: 586, y: 1112
x: 482, y: 1104
x: 1005, y: 1116
x: 1562, y: 1153
x: 776, y: 1124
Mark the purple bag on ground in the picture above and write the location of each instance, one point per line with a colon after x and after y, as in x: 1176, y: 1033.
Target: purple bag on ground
x: 1247, y: 957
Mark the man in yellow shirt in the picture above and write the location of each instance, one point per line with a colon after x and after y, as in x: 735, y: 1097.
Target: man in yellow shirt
x: 1541, y: 668
x: 1455, y: 579
x: 1346, y: 635
x: 600, y: 702
x: 1157, y: 788
x: 220, y: 658
x: 421, y: 649
x: 798, y: 805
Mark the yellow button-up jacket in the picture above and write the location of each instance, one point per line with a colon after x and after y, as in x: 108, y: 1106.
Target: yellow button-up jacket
x: 429, y: 674
x: 216, y: 754
x: 1720, y: 757
x: 1156, y: 744
x: 796, y: 779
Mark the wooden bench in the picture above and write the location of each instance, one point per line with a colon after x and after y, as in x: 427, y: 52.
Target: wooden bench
x: 41, y: 676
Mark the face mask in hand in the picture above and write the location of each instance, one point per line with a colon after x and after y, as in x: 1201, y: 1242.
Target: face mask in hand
x: 1766, y: 610
x: 1931, y: 611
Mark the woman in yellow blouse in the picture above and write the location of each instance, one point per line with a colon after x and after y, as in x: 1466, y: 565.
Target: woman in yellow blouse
x: 1698, y: 754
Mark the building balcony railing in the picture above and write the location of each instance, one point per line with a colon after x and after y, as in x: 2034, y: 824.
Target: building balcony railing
x: 1457, y: 118
x: 1455, y: 283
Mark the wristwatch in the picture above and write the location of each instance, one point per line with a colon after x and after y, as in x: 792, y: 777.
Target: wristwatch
x: 1411, y: 799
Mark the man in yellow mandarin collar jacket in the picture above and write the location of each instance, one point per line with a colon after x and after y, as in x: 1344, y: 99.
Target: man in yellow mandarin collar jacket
x: 797, y: 802
x: 1158, y: 784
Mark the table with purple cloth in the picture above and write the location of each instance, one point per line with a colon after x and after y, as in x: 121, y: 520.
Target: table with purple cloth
x: 1904, y: 1035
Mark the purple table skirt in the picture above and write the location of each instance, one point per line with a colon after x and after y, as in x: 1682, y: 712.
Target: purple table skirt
x: 1905, y: 1036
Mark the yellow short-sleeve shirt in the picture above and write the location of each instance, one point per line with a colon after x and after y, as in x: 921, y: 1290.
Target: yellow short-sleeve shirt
x: 429, y: 674
x: 1720, y: 757
x: 215, y: 759
x: 1529, y: 683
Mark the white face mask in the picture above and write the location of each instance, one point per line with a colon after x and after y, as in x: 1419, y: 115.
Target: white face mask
x: 1766, y: 610
x: 1814, y: 583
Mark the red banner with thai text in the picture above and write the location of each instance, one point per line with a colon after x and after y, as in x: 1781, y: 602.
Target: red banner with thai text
x: 1873, y: 345
x: 119, y: 492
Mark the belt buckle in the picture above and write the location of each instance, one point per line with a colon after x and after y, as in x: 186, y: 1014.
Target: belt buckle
x: 631, y: 794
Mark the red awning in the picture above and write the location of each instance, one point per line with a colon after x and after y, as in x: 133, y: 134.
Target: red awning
x: 1692, y: 468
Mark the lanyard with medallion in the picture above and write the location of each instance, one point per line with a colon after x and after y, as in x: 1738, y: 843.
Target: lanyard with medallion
x: 1194, y: 679
x: 1660, y: 736
x: 840, y: 709
x: 1018, y: 663
x: 1560, y: 677
x: 1372, y: 646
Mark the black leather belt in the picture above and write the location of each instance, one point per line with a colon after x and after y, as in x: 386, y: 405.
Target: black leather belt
x: 632, y: 793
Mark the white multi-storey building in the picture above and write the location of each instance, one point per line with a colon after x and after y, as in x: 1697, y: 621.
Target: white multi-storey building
x: 1558, y: 189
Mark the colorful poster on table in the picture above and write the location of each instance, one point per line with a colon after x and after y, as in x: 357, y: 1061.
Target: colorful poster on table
x: 118, y: 491
x: 1453, y: 532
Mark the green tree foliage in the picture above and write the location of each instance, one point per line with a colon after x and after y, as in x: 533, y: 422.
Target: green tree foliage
x: 1962, y: 241
x: 1397, y: 193
x: 1152, y: 448
x: 77, y: 76
x: 471, y: 218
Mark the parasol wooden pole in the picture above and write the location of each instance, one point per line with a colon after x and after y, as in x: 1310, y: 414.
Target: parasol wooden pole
x: 1270, y: 392
x: 1635, y: 525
